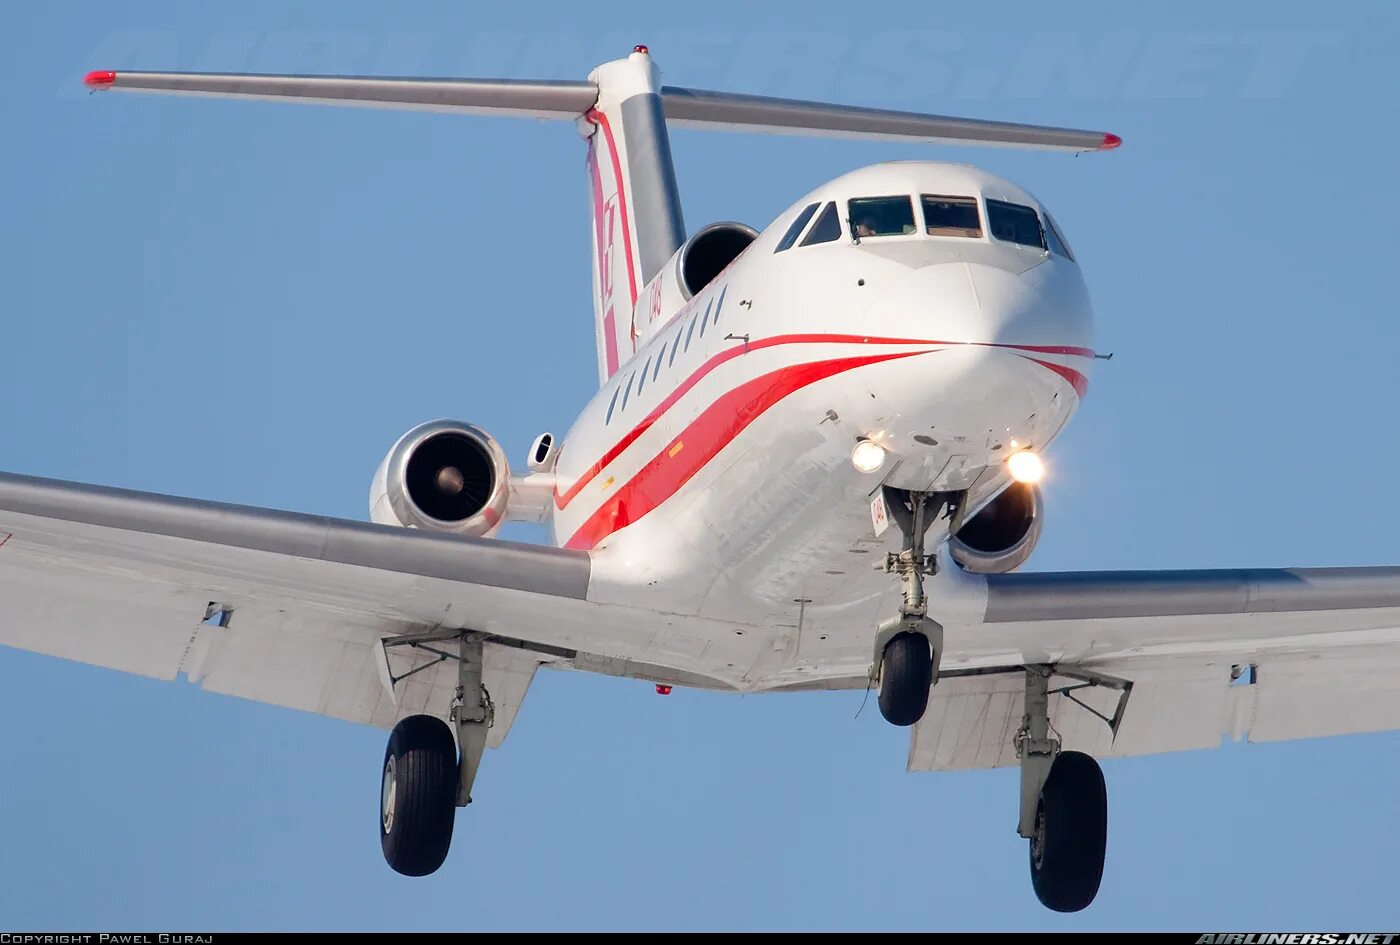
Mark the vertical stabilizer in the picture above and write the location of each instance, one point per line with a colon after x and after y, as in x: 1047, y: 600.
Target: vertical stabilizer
x: 636, y: 207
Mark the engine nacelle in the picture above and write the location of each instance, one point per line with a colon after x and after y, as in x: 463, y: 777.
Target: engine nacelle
x: 1001, y: 536
x: 694, y: 266
x: 443, y: 476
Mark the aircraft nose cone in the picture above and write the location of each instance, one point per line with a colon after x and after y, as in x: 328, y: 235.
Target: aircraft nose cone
x: 996, y: 376
x: 972, y: 302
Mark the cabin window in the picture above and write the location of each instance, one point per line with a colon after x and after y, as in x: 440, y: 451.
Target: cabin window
x: 795, y: 230
x: 628, y: 392
x: 705, y: 319
x: 643, y: 382
x: 1013, y: 223
x: 951, y: 216
x: 826, y: 229
x: 1058, y: 246
x: 881, y: 216
x: 612, y: 404
x: 691, y: 330
x: 675, y: 347
x: 657, y: 373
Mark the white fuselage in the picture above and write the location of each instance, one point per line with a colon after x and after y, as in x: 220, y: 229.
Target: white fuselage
x: 711, y: 475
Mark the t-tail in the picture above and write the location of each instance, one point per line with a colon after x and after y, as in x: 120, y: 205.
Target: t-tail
x: 623, y: 112
x: 636, y: 207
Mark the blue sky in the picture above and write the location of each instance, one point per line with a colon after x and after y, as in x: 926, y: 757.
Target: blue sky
x: 249, y: 302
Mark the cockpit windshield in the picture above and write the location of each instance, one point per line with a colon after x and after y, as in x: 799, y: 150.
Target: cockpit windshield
x: 1013, y: 223
x: 951, y: 216
x: 1058, y: 246
x: 881, y: 216
x: 939, y: 215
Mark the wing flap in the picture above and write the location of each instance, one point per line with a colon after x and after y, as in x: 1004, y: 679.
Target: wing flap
x: 1319, y: 693
x: 1176, y: 704
x: 972, y: 721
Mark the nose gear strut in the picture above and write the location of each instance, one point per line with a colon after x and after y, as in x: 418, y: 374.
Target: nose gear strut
x: 909, y: 646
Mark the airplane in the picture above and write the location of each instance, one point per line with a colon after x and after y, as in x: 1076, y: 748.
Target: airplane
x: 812, y: 463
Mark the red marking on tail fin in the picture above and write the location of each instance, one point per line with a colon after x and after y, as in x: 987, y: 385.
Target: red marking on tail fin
x: 610, y: 359
x: 601, y: 120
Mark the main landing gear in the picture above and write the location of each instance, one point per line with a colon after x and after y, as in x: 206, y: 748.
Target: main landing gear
x: 908, y: 646
x: 1064, y: 804
x: 424, y: 778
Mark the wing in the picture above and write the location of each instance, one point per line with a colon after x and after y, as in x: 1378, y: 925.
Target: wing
x: 284, y: 608
x: 1263, y: 655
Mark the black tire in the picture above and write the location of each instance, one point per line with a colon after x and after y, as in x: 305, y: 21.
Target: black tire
x: 1071, y: 834
x: 906, y: 673
x: 418, y: 795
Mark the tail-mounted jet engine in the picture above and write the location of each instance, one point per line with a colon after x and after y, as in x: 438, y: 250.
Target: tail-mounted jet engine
x: 694, y: 266
x: 1002, y: 535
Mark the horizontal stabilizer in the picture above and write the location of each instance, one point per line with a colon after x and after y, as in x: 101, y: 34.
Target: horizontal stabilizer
x: 697, y: 108
x: 565, y: 100
x: 691, y: 108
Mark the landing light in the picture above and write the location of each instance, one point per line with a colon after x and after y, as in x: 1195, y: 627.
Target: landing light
x: 868, y: 456
x: 1025, y: 466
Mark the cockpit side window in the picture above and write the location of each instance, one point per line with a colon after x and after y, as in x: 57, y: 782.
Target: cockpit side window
x: 881, y: 216
x: 1058, y: 246
x: 1013, y: 223
x: 795, y: 230
x: 951, y: 216
x: 827, y: 227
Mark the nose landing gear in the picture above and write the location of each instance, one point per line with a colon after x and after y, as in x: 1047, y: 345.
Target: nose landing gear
x: 908, y: 647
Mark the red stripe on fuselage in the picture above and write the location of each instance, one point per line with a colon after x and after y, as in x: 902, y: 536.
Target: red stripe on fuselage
x: 1042, y: 349
x: 1078, y: 381
x: 560, y: 501
x: 714, y: 429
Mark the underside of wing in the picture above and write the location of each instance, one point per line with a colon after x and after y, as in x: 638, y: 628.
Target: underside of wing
x: 1195, y: 657
x: 293, y: 609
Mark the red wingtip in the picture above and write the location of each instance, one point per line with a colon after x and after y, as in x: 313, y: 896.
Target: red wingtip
x: 100, y: 79
x: 663, y: 690
x: 1110, y: 141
